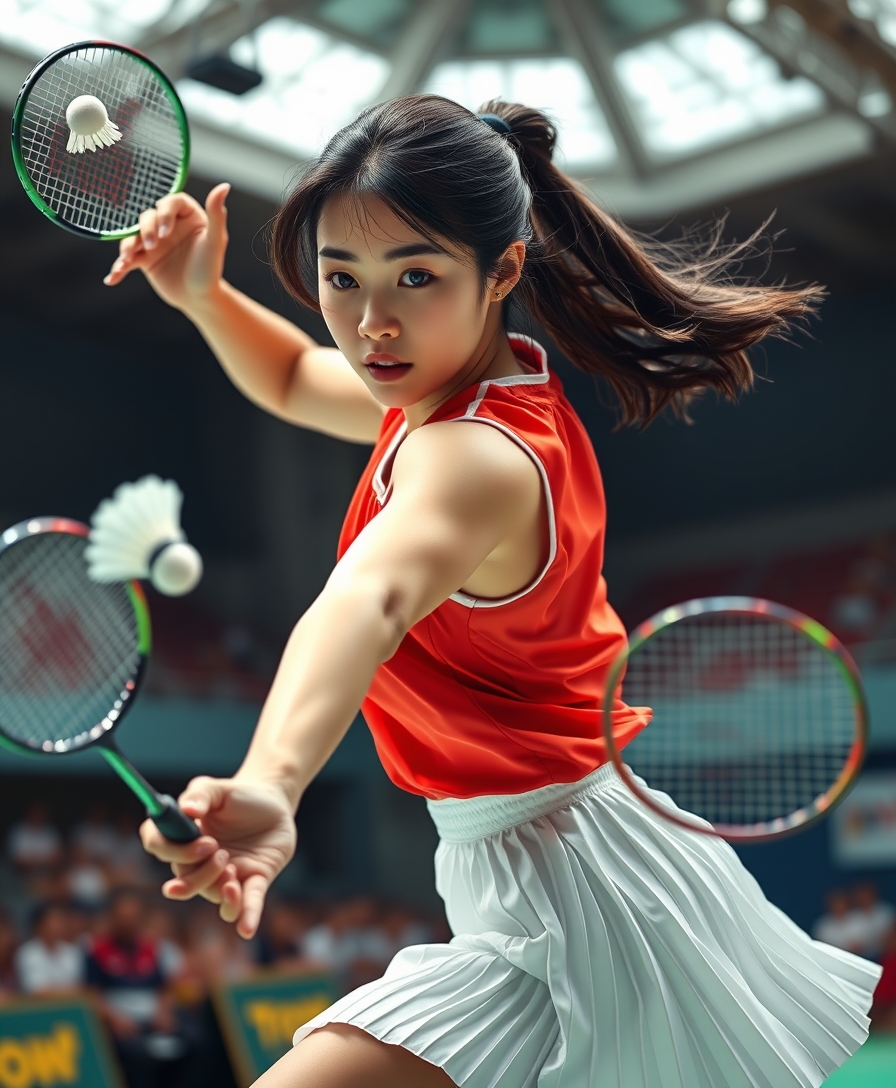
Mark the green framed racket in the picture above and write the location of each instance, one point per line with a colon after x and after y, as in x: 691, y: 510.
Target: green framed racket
x: 98, y: 136
x: 760, y: 721
x: 73, y: 653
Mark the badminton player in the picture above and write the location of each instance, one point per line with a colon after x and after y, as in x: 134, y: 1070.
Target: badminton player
x: 596, y: 945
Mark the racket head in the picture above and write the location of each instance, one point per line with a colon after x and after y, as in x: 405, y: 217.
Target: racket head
x: 760, y: 722
x: 73, y: 652
x: 100, y: 194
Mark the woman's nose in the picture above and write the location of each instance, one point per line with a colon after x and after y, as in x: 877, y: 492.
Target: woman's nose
x: 377, y: 324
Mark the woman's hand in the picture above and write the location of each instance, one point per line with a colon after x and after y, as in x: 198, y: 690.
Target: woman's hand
x: 248, y: 836
x: 180, y: 248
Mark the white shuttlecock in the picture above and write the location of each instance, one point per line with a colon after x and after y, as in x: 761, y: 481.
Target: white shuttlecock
x: 137, y: 534
x: 89, y: 123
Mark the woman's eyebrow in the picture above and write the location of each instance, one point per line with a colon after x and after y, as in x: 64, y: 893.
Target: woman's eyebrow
x: 400, y: 253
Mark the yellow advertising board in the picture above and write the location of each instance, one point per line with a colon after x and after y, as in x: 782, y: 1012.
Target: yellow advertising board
x: 259, y: 1015
x: 54, y: 1044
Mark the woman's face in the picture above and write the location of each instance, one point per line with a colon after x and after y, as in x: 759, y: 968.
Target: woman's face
x: 411, y: 318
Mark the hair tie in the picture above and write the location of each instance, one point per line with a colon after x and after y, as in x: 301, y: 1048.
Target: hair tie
x: 495, y: 122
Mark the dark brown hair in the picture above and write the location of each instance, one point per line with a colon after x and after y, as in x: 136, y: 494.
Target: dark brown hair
x: 658, y: 321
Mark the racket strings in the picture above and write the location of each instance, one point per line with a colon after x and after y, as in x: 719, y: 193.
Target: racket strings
x: 752, y: 720
x: 68, y: 646
x: 102, y: 191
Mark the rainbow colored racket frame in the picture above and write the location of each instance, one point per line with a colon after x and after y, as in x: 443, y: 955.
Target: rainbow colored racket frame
x: 100, y: 194
x: 807, y: 814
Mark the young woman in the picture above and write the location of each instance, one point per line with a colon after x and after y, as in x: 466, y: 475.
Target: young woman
x: 596, y: 945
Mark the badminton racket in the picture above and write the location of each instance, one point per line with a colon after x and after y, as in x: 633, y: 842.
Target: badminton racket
x: 760, y: 722
x: 98, y: 136
x: 73, y: 653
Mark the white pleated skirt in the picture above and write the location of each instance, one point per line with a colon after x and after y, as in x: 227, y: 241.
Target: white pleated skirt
x: 598, y: 945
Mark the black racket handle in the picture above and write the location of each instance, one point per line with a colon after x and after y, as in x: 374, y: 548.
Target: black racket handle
x: 174, y: 823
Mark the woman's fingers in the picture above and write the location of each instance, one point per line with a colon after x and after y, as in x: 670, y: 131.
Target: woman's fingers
x: 190, y: 853
x: 130, y: 250
x: 253, y: 892
x: 202, y: 795
x: 231, y: 895
x: 199, y: 879
x: 169, y: 208
x: 158, y: 224
x: 216, y: 211
x: 149, y: 226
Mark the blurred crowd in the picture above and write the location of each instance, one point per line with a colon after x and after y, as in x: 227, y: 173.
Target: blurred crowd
x: 866, y: 603
x: 857, y: 920
x: 82, y: 914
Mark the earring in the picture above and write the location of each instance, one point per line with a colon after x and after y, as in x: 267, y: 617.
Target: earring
x: 499, y: 294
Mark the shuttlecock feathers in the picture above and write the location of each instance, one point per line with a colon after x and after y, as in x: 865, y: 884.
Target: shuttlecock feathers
x: 137, y: 534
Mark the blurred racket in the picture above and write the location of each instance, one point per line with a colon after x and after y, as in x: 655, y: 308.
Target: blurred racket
x: 759, y: 725
x: 100, y: 192
x: 72, y: 655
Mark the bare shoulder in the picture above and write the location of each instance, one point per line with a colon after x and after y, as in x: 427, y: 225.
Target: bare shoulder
x: 467, y: 461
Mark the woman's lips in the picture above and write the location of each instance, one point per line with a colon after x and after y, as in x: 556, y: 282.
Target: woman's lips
x: 385, y: 368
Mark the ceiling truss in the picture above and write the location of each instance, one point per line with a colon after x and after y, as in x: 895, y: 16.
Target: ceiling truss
x: 821, y: 39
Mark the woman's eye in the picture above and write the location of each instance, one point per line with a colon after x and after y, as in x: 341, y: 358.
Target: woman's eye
x: 341, y: 280
x: 415, y: 278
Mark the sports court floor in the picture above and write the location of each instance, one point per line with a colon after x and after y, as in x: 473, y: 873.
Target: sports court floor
x: 873, y: 1066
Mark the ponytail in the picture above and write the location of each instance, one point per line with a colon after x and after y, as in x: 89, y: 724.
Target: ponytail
x: 659, y: 322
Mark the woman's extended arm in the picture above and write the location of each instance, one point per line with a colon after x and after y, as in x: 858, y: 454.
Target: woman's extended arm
x: 458, y: 492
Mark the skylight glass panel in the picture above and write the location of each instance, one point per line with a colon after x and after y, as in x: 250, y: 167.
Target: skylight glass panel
x: 375, y: 20
x: 628, y: 17
x: 708, y: 84
x: 499, y: 27
x: 558, y: 86
x: 313, y: 85
x: 42, y: 26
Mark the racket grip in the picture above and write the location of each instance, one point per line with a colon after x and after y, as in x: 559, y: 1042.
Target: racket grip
x: 173, y: 823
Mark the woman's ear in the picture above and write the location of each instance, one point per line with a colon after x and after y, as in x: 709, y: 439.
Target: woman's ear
x: 510, y: 268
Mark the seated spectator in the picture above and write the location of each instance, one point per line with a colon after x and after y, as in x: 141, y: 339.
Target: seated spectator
x: 34, y: 844
x: 126, y: 971
x: 283, y: 925
x: 9, y: 942
x: 872, y: 919
x: 342, y: 941
x: 403, y: 928
x: 855, y: 610
x: 867, y: 594
x: 95, y: 836
x: 129, y: 864
x: 87, y: 882
x: 839, y: 926
x: 215, y: 951
x: 883, y: 1011
x: 162, y: 927
x: 48, y: 964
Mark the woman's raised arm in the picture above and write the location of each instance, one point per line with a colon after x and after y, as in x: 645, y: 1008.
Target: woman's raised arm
x: 180, y: 249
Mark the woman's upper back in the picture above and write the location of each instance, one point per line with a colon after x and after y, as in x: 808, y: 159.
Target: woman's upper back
x: 491, y: 696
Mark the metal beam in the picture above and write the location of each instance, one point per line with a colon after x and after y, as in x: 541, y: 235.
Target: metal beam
x: 422, y: 44
x: 587, y: 40
x: 823, y: 41
x: 173, y: 50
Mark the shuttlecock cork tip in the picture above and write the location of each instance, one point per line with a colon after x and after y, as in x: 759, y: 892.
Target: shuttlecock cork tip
x: 176, y: 569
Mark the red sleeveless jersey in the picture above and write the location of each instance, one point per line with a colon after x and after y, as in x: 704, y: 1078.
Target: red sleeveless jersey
x: 491, y: 696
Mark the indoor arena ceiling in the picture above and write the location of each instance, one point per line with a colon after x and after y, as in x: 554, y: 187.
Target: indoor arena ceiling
x: 662, y: 104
